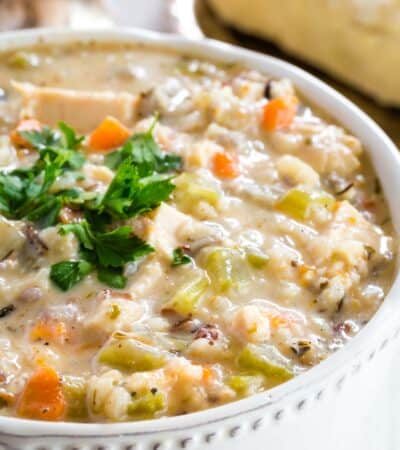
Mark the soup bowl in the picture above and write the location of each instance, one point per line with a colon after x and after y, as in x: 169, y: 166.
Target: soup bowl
x: 343, y: 403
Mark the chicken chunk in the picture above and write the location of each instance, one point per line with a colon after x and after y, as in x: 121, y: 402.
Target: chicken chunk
x: 114, y: 314
x: 296, y: 172
x: 164, y: 231
x: 13, y: 237
x: 83, y: 110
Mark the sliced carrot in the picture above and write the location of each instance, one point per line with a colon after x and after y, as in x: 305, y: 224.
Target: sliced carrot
x: 225, y: 165
x: 42, y: 397
x: 48, y: 330
x: 111, y: 133
x: 25, y: 125
x: 279, y: 113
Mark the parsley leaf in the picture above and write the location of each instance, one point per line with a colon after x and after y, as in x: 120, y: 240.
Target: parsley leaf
x: 109, y: 251
x: 70, y: 139
x: 111, y: 277
x: 82, y: 232
x: 140, y: 184
x: 46, y: 211
x: 130, y: 195
x: 41, y: 139
x: 117, y: 247
x: 25, y: 192
x: 146, y: 155
x: 179, y: 257
x: 11, y: 192
x: 66, y: 274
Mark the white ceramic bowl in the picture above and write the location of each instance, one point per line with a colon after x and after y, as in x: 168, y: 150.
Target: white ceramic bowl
x: 338, y: 405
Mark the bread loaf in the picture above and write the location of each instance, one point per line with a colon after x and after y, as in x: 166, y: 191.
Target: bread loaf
x: 357, y: 41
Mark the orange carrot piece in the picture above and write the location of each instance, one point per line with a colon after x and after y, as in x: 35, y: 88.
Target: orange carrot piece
x: 53, y: 331
x: 42, y: 397
x: 25, y: 125
x: 111, y: 133
x: 279, y: 113
x: 208, y: 374
x: 225, y: 165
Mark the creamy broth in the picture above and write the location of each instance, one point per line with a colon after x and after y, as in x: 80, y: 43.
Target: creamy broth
x: 254, y: 243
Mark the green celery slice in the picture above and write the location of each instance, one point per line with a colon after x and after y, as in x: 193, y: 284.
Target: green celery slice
x: 146, y: 406
x: 294, y: 203
x: 297, y: 203
x: 74, y: 389
x: 241, y: 384
x: 227, y: 268
x: 250, y: 358
x: 192, y: 189
x: 131, y: 355
x: 188, y: 295
x: 256, y: 259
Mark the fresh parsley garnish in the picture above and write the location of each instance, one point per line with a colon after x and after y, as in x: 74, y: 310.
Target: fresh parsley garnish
x: 66, y: 274
x: 107, y: 252
x: 69, y: 137
x: 66, y: 137
x: 44, y: 138
x: 179, y: 257
x: 24, y: 193
x: 141, y: 183
x: 146, y: 155
x: 129, y: 194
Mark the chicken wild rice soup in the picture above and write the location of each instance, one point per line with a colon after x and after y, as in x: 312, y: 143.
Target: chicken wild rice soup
x: 176, y: 234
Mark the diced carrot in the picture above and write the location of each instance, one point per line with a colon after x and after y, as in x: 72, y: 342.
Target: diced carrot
x: 352, y: 220
x: 111, y: 133
x: 277, y: 321
x: 25, y: 125
x: 42, y: 397
x: 336, y: 206
x: 207, y: 374
x: 225, y: 165
x: 306, y: 274
x: 48, y: 330
x: 279, y: 113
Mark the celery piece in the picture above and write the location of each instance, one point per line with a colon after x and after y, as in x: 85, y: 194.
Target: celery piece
x: 250, y: 358
x: 324, y: 199
x: 294, y: 203
x: 192, y: 189
x: 146, y: 406
x: 114, y: 312
x: 74, y: 389
x: 227, y: 268
x: 242, y: 384
x: 187, y: 296
x: 131, y: 355
x: 24, y: 60
x: 297, y: 203
x: 256, y: 259
x: 219, y: 267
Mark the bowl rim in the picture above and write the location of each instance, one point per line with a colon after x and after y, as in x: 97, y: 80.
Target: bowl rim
x: 341, y: 109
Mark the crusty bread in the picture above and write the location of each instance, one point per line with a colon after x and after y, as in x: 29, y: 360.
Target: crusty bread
x: 357, y: 41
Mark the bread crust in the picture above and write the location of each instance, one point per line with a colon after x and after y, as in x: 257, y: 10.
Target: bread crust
x: 357, y: 41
